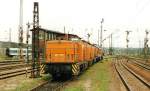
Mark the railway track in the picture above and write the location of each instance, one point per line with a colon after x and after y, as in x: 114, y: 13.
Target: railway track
x: 130, y: 79
x: 8, y: 62
x: 122, y: 78
x: 136, y: 75
x: 51, y: 85
x: 143, y: 65
x: 13, y: 73
x: 140, y: 60
x: 13, y: 68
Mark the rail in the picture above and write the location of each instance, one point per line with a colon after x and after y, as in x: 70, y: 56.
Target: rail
x: 147, y: 67
x: 51, y: 86
x: 128, y: 77
x: 137, y: 76
x: 9, y: 62
x: 122, y: 78
x: 5, y: 75
x: 13, y: 66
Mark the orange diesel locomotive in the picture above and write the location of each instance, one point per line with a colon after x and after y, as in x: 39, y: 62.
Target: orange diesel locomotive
x: 70, y: 57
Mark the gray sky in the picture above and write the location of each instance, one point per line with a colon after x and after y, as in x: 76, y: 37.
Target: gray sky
x: 81, y: 17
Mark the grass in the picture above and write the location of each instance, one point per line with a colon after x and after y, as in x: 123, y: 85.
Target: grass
x: 26, y: 85
x: 3, y: 57
x: 74, y: 89
x: 98, y: 75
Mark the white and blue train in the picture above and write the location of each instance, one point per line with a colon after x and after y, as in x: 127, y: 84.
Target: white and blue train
x: 15, y: 52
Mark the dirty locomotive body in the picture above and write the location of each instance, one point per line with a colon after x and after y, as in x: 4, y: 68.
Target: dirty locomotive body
x: 70, y: 57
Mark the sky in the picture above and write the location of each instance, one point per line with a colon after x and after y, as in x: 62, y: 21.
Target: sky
x: 81, y: 17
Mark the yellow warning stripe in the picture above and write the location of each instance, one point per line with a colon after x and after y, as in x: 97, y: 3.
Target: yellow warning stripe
x: 42, y: 68
x: 74, y: 66
x: 75, y: 69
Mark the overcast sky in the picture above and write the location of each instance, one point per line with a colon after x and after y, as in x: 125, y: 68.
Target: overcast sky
x: 81, y: 17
